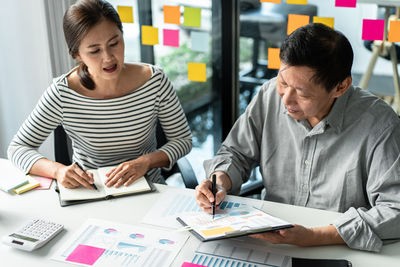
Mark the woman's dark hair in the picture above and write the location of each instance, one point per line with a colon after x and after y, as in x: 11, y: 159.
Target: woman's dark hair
x: 322, y: 49
x: 78, y: 20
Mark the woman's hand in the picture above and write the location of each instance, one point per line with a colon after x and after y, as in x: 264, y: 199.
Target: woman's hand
x: 72, y: 177
x: 127, y: 172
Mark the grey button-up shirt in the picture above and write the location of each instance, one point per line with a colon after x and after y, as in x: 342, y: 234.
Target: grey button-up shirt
x: 349, y: 162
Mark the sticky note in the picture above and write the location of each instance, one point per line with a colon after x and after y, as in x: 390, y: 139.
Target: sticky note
x: 330, y: 22
x: 296, y: 21
x: 85, y: 254
x: 171, y: 37
x: 189, y: 264
x: 149, y: 35
x: 26, y: 187
x: 125, y: 13
x: 394, y: 31
x: 373, y: 29
x: 172, y: 14
x: 199, y: 41
x: 274, y: 61
x: 271, y: 1
x: 45, y: 183
x: 192, y: 17
x: 197, y: 72
x: 345, y: 3
x: 217, y: 231
x: 297, y: 2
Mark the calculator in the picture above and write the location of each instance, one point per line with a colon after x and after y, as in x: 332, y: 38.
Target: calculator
x: 33, y: 235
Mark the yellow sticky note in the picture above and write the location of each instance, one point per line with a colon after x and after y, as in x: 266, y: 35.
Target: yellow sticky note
x: 192, y: 17
x: 330, y: 22
x: 217, y: 231
x: 274, y: 61
x: 30, y: 185
x: 149, y: 35
x: 197, y: 72
x: 297, y: 2
x: 271, y: 1
x: 172, y: 15
x: 296, y: 21
x: 394, y: 31
x: 125, y: 13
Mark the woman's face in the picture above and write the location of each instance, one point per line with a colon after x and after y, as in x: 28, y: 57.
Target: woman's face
x: 102, y: 51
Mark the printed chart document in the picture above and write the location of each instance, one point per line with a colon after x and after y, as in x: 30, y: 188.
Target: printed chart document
x: 231, y: 252
x: 177, y: 203
x: 82, y: 194
x: 231, y: 223
x: 103, y: 243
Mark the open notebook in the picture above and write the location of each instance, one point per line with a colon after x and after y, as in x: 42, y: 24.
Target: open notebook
x: 231, y: 223
x: 82, y: 194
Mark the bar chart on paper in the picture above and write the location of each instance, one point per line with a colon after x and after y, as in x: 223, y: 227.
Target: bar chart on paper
x: 165, y: 211
x: 100, y: 243
x: 232, y: 253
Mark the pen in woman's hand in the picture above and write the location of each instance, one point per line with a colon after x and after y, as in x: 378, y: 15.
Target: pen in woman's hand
x: 213, y: 189
x: 80, y: 167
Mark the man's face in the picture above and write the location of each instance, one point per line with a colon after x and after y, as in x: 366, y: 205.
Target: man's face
x: 303, y: 99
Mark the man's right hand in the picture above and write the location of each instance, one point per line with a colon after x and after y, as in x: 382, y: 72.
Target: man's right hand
x: 204, y: 195
x: 72, y: 177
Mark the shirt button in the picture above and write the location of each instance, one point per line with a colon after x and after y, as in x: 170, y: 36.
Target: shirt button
x: 307, y: 162
x: 305, y: 187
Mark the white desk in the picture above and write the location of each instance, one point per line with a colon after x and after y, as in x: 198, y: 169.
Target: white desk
x: 15, y: 209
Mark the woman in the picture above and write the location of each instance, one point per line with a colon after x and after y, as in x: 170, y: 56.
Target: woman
x: 108, y: 108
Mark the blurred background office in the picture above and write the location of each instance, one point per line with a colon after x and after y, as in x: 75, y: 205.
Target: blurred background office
x: 232, y: 41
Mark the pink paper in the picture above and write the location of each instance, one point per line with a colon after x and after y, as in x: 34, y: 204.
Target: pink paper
x: 189, y: 264
x: 85, y: 254
x: 45, y: 183
x: 171, y: 37
x: 345, y: 3
x: 373, y: 29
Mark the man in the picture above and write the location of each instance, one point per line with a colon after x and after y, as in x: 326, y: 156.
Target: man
x: 320, y: 143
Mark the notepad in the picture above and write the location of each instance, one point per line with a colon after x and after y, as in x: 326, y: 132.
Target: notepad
x: 82, y: 194
x: 32, y: 183
x: 11, y: 177
x: 231, y: 223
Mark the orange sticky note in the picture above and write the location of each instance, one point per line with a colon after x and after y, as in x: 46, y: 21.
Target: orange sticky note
x: 274, y: 61
x: 394, y: 31
x: 330, y: 22
x: 172, y: 15
x: 296, y: 21
x: 217, y: 231
x: 297, y: 2
x: 271, y: 1
x: 125, y: 13
x: 149, y: 35
x: 197, y: 72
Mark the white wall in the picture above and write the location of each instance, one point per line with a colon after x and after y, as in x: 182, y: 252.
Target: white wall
x: 25, y: 70
x: 349, y: 22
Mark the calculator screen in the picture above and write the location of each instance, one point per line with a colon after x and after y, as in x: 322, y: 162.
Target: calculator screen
x: 24, y: 237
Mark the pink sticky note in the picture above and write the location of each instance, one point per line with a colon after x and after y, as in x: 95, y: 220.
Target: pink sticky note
x: 171, y: 37
x: 373, y: 29
x: 189, y: 264
x: 45, y: 183
x: 345, y: 3
x: 85, y: 254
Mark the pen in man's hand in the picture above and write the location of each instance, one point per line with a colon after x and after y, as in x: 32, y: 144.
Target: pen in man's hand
x: 80, y: 167
x: 214, y: 191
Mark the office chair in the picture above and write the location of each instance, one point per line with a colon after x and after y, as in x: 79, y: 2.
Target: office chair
x: 63, y: 154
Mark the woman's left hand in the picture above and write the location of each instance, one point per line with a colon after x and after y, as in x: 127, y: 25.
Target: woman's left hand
x: 127, y: 172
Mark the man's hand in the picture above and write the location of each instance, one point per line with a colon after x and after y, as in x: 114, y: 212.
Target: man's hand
x: 127, y: 172
x: 302, y: 236
x: 204, y: 196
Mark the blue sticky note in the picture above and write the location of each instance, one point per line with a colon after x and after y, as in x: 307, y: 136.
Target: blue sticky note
x: 199, y: 41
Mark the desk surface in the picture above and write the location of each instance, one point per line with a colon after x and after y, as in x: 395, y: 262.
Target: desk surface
x: 16, y: 209
x: 380, y: 2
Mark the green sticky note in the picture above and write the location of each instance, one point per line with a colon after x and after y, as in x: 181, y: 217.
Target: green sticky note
x: 192, y: 17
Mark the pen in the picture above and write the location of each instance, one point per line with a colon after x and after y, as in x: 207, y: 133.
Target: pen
x: 80, y: 167
x: 213, y: 189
